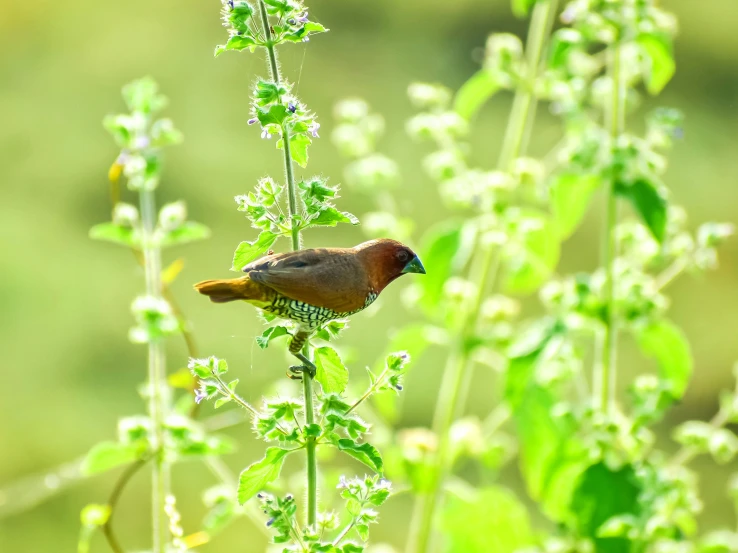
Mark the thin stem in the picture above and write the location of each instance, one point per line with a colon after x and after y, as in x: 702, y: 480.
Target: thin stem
x: 540, y: 26
x: 608, y: 376
x: 307, y: 380
x: 160, y: 484
x: 120, y: 485
x: 370, y: 391
x: 687, y: 453
x: 459, y: 366
x: 670, y: 273
x: 312, y: 461
x: 343, y: 533
x: 457, y: 372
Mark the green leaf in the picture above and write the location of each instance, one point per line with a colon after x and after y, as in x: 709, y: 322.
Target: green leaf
x: 592, y: 508
x: 221, y: 505
x: 521, y: 7
x: 299, y: 148
x: 258, y: 475
x: 118, y: 234
x: 366, y: 453
x: 501, y: 520
x: 570, y: 197
x: 272, y: 116
x: 563, y: 42
x: 658, y: 49
x: 108, y: 455
x: 330, y: 217
x: 268, y: 92
x: 474, y: 93
x: 445, y: 250
x: 649, y: 202
x: 95, y: 515
x: 665, y: 342
x: 187, y: 232
x: 270, y: 334
x: 246, y: 252
x: 533, y: 259
x: 523, y: 355
x: 332, y: 374
x: 551, y: 457
x: 238, y: 43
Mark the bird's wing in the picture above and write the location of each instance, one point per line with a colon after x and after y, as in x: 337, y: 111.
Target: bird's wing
x: 329, y: 278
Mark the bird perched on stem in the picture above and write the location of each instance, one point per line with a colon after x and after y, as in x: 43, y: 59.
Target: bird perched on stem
x: 312, y: 287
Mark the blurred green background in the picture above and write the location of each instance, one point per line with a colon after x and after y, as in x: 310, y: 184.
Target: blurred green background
x: 69, y: 371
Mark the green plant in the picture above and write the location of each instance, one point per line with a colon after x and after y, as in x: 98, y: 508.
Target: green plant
x: 587, y: 460
x: 321, y: 417
x: 166, y: 434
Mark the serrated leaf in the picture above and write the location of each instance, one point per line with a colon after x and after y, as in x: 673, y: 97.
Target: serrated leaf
x: 331, y: 374
x: 649, y: 203
x: 237, y: 43
x: 187, y: 232
x: 665, y: 342
x: 221, y: 402
x: 330, y: 217
x: 117, y: 234
x: 270, y: 334
x: 108, y: 455
x: 246, y: 252
x: 258, y: 475
x: 551, y: 456
x: 299, y: 148
x: 274, y: 115
x: 474, y: 93
x: 445, y: 250
x: 592, y: 508
x: 503, y: 518
x: 570, y: 197
x: 366, y: 453
x: 658, y: 49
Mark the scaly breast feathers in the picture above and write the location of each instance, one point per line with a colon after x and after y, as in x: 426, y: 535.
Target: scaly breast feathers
x: 307, y: 315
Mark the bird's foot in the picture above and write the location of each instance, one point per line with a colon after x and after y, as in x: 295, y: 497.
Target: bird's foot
x: 307, y: 365
x: 296, y: 372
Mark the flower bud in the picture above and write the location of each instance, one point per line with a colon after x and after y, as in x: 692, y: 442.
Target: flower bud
x: 125, y: 214
x: 429, y: 96
x: 171, y: 216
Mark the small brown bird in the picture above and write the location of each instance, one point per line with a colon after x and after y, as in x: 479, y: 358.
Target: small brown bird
x: 312, y: 287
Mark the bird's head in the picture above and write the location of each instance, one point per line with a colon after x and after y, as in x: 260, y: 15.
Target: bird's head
x: 385, y: 260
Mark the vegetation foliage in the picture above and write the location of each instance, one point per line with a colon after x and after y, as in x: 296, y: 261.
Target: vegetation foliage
x: 588, y: 458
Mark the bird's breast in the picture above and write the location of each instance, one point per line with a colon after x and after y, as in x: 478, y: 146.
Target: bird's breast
x: 307, y: 314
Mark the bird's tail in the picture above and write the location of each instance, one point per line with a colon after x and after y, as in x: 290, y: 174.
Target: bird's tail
x: 232, y: 289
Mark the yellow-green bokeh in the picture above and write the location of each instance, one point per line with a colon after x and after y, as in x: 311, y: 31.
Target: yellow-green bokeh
x: 68, y: 371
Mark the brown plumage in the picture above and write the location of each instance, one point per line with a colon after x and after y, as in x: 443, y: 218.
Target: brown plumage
x: 312, y: 287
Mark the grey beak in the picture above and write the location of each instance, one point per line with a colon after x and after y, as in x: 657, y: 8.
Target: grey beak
x: 414, y: 266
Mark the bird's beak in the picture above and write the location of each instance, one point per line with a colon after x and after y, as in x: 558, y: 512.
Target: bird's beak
x: 414, y: 266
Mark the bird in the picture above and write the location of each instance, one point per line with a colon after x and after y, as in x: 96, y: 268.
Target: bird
x: 314, y: 286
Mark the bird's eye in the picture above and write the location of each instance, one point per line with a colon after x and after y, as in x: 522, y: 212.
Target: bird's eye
x: 403, y: 256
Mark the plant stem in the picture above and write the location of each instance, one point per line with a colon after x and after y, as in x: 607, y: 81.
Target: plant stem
x: 540, y: 27
x: 607, y: 378
x: 160, y: 484
x: 113, y: 502
x: 457, y: 374
x: 307, y: 380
